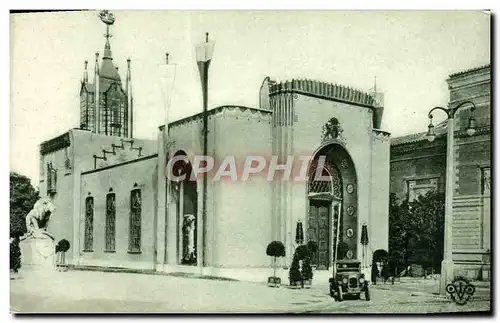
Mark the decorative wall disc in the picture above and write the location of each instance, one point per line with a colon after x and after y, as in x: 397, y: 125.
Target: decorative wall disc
x: 350, y: 188
x: 344, y: 163
x: 350, y: 233
x: 350, y: 254
x: 350, y: 210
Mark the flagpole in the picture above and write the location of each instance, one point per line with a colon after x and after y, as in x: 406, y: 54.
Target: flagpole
x: 204, y: 53
x: 167, y: 80
x: 337, y: 237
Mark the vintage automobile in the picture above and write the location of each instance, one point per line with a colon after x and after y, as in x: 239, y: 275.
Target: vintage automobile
x: 348, y: 280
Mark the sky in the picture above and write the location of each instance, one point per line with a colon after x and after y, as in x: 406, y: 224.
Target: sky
x: 410, y: 53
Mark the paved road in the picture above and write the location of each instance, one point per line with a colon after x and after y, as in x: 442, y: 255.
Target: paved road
x: 96, y: 292
x: 397, y: 300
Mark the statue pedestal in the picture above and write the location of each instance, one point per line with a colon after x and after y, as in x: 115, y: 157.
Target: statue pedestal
x: 38, y: 253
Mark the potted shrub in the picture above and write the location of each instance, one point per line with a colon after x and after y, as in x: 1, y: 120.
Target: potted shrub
x: 296, y: 269
x: 275, y: 249
x: 307, y: 273
x: 62, y: 247
x: 294, y: 275
x: 313, y: 247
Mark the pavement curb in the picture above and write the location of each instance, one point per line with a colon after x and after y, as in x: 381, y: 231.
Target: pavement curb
x: 148, y: 272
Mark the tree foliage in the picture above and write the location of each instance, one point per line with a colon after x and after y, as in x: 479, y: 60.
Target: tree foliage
x: 312, y: 246
x: 15, y: 255
x: 294, y: 275
x: 416, y: 230
x: 302, y: 252
x: 275, y: 249
x: 307, y: 272
x: 62, y: 246
x: 22, y: 198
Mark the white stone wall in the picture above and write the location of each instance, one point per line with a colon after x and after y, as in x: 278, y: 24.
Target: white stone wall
x: 121, y: 179
x: 241, y: 227
x: 312, y: 114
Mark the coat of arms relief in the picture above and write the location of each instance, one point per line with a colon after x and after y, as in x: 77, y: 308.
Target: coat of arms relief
x: 332, y: 130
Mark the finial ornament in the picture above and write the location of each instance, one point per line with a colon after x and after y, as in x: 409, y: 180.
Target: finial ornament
x: 107, y: 17
x: 206, y: 37
x: 166, y: 57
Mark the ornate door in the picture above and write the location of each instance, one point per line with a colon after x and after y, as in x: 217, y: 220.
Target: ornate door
x: 319, y: 231
x: 335, y: 228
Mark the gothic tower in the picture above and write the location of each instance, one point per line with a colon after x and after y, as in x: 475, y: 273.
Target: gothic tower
x: 112, y: 115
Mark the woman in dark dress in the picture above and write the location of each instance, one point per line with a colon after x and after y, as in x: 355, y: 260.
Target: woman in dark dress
x: 385, y: 271
x: 374, y: 273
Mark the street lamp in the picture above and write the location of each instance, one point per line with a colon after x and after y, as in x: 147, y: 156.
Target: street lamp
x: 447, y: 264
x: 204, y: 52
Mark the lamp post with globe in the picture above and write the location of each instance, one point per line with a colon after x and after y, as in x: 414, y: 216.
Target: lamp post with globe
x: 447, y: 264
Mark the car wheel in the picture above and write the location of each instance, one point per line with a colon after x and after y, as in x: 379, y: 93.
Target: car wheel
x: 367, y: 294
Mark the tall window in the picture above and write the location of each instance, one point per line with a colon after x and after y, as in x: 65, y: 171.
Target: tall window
x: 110, y: 222
x: 134, y: 244
x: 90, y: 112
x: 51, y: 179
x: 486, y: 181
x: 420, y: 187
x: 89, y: 224
x: 114, y: 111
x: 84, y: 119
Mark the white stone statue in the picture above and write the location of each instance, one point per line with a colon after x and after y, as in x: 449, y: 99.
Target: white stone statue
x: 39, y: 215
x: 189, y: 223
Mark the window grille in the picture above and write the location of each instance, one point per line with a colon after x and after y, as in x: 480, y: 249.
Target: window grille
x: 51, y: 179
x: 135, y: 221
x: 486, y: 181
x: 89, y: 224
x: 110, y: 222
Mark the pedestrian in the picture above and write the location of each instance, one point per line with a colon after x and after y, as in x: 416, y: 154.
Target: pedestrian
x: 385, y: 270
x: 374, y: 273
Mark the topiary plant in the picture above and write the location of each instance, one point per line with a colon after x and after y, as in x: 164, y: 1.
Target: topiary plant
x: 307, y: 272
x: 313, y: 247
x: 294, y: 274
x: 275, y: 249
x: 302, y: 252
x: 63, y: 246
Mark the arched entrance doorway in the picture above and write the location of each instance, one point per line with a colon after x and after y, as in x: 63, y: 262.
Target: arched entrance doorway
x: 186, y: 196
x: 332, y: 195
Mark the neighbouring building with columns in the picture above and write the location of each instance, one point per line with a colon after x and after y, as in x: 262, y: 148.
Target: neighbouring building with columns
x: 418, y: 166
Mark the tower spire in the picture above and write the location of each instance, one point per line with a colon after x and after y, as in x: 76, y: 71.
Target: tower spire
x: 85, y: 73
x: 130, y: 103
x: 109, y: 19
x: 96, y: 94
